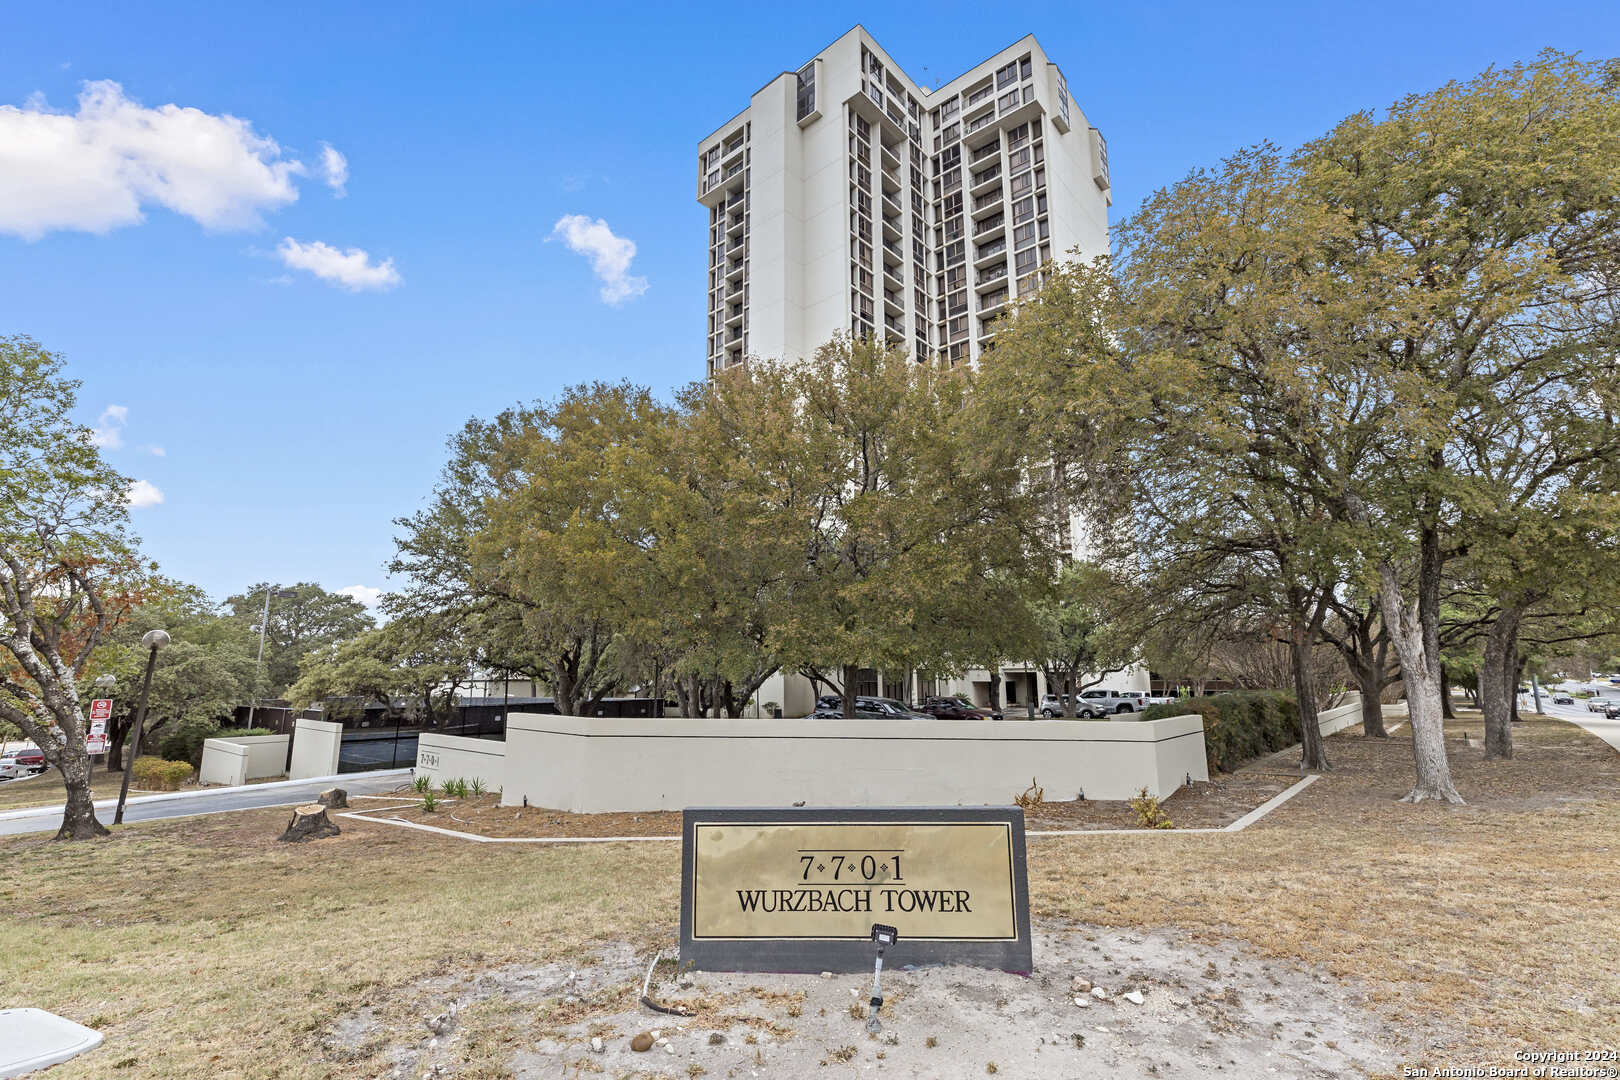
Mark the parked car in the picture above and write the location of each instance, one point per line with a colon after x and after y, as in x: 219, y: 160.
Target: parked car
x: 1095, y: 703
x: 831, y: 706
x: 949, y: 708
x: 24, y: 762
x: 1052, y: 708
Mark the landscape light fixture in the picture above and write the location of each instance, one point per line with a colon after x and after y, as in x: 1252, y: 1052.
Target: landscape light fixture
x: 884, y: 936
x: 152, y: 640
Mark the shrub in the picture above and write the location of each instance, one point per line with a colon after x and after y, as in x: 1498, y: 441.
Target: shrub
x: 156, y: 774
x: 183, y: 741
x: 430, y: 801
x: 422, y: 784
x: 1148, y: 811
x: 1238, y: 726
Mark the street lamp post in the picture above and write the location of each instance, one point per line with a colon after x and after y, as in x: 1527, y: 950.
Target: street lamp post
x: 105, y: 683
x: 153, y: 640
x: 258, y: 664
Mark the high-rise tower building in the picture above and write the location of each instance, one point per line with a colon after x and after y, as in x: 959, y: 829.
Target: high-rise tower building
x: 848, y: 197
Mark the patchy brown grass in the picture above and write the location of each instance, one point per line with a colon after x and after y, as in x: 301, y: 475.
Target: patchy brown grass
x: 203, y: 948
x: 486, y: 817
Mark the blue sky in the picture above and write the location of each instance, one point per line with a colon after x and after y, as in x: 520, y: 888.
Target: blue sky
x: 296, y: 416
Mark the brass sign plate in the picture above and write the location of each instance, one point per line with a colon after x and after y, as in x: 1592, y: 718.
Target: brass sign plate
x: 790, y: 890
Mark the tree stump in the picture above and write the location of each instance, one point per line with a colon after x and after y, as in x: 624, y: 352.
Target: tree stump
x: 334, y: 799
x: 309, y: 822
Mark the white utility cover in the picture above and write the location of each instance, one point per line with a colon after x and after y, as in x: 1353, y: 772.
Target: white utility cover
x: 33, y: 1038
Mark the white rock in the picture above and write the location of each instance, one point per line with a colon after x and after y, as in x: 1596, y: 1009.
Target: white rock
x: 597, y: 1045
x: 826, y: 974
x: 656, y: 1033
x: 663, y: 1042
x: 1134, y: 997
x: 1099, y: 993
x: 668, y: 1049
x: 432, y: 1043
x: 1083, y: 1002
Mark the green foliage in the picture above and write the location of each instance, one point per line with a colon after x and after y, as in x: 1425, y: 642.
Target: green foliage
x: 476, y: 787
x: 1238, y: 727
x: 415, y: 664
x: 430, y: 801
x: 456, y: 788
x: 156, y: 774
x: 183, y: 741
x: 422, y: 785
x: 310, y: 620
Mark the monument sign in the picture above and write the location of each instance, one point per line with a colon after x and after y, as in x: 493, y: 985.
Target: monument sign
x: 800, y: 889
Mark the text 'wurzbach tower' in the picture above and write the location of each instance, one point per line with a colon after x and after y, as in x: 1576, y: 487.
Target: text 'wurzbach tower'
x: 846, y: 197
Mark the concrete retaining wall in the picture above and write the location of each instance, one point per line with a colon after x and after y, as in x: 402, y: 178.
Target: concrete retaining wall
x: 316, y: 744
x: 451, y: 757
x: 235, y: 760
x: 1340, y: 716
x: 606, y: 764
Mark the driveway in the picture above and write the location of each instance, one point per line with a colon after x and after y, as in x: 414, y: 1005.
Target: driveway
x: 210, y: 801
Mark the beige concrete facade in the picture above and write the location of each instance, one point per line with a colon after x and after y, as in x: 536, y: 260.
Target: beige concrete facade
x: 846, y: 196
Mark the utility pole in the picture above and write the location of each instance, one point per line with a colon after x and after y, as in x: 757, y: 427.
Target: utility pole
x: 258, y: 664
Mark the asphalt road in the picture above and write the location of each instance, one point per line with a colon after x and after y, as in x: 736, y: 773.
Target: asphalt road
x: 248, y: 797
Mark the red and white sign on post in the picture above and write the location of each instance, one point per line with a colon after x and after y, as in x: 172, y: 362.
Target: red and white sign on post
x: 100, y: 712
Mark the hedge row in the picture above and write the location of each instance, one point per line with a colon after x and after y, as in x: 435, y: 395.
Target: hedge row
x: 183, y: 740
x: 1238, y: 726
x: 155, y: 774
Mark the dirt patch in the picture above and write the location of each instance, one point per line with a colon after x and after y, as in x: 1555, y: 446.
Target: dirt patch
x: 1204, y: 1008
x: 1200, y: 805
x: 484, y: 816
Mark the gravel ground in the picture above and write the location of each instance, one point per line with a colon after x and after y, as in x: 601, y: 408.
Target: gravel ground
x: 1203, y: 1010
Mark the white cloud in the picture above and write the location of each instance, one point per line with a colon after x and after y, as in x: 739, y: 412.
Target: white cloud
x: 157, y: 451
x: 352, y: 269
x: 610, y: 255
x: 97, y: 169
x: 334, y: 170
x: 368, y: 595
x: 109, y: 430
x: 143, y: 493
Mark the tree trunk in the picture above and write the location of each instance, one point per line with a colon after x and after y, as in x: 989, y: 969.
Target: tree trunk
x: 1313, y: 750
x: 995, y: 689
x: 79, y: 813
x: 1445, y: 693
x: 115, y: 746
x: 849, y: 691
x: 1498, y: 681
x: 1370, y: 678
x: 1420, y: 672
x: 309, y: 822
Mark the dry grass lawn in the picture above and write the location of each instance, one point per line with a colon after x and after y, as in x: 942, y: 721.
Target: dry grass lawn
x: 203, y: 948
x: 46, y: 789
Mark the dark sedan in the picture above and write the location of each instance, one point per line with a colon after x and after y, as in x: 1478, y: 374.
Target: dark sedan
x: 949, y: 708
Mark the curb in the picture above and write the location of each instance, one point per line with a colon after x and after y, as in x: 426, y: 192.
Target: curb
x: 169, y: 796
